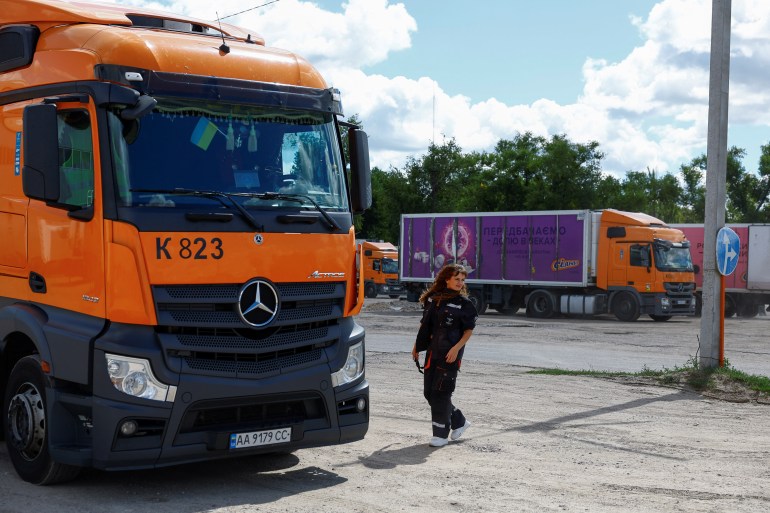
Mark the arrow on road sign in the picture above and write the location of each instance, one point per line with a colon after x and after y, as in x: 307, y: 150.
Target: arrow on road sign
x: 728, y: 249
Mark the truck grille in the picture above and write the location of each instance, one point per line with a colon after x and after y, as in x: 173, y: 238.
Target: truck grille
x: 681, y: 296
x: 201, y: 331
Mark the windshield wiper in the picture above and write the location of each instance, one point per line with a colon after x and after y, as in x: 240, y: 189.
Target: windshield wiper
x: 215, y: 195
x: 299, y: 198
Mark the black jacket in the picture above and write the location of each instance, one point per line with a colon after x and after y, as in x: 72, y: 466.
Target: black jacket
x: 443, y: 324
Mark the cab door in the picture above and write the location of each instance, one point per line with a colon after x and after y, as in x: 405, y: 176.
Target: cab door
x: 630, y: 265
x: 65, y: 237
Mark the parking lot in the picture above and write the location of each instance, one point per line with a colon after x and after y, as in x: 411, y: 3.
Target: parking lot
x: 538, y: 443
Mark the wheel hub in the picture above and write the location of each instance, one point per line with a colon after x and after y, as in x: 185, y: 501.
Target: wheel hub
x: 26, y: 422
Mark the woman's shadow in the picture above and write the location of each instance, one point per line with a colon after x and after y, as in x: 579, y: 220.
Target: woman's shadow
x: 387, y: 458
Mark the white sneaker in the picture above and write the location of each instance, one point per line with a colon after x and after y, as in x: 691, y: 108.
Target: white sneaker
x: 437, y: 441
x: 457, y: 433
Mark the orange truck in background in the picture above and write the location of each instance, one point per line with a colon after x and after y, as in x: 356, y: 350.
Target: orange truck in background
x: 380, y: 269
x: 555, y: 262
x: 178, y: 277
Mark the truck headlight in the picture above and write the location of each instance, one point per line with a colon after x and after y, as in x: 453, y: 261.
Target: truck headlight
x: 133, y: 376
x: 353, y: 368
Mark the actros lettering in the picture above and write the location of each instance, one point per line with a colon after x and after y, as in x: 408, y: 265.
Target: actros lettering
x: 318, y: 274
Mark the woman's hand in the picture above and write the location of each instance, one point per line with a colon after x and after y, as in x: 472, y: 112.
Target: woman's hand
x: 451, y: 356
x: 415, y: 354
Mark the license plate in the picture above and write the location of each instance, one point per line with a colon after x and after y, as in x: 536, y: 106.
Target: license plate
x: 259, y: 438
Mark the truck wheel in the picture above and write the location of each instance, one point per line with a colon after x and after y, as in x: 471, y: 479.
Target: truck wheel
x: 748, y: 311
x: 625, y: 307
x: 477, y: 298
x: 510, y: 310
x: 370, y: 290
x: 540, y: 305
x: 394, y: 296
x: 730, y: 306
x: 412, y: 296
x: 26, y: 430
x: 659, y: 318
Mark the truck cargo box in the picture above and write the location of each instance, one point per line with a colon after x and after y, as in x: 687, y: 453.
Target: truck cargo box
x: 524, y: 248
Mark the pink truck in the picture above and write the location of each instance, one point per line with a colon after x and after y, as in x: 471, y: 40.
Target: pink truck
x: 566, y: 262
x: 747, y: 290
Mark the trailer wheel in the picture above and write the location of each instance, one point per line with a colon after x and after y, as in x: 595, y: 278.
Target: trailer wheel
x: 625, y: 307
x: 510, y: 310
x: 730, y: 307
x: 748, y: 310
x: 540, y: 305
x: 26, y: 429
x: 370, y: 290
x: 659, y: 318
x: 477, y: 298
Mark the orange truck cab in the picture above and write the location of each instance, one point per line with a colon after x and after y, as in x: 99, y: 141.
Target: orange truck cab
x: 380, y: 269
x: 178, y: 277
x: 646, y: 263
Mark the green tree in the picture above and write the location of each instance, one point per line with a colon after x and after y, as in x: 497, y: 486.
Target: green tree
x: 499, y: 179
x: 746, y: 192
x: 391, y: 196
x: 658, y: 196
x: 693, y: 198
x: 564, y: 175
x: 434, y: 177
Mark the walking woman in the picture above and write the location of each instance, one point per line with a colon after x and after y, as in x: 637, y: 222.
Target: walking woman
x: 447, y: 323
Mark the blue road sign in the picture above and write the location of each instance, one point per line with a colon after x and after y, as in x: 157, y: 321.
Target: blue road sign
x: 728, y: 249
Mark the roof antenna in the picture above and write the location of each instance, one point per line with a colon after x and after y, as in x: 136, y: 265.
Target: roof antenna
x: 223, y: 47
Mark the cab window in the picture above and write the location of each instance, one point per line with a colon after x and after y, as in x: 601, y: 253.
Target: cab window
x: 640, y: 255
x: 76, y: 159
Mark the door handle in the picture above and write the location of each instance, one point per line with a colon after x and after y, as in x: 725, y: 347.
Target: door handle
x: 37, y: 283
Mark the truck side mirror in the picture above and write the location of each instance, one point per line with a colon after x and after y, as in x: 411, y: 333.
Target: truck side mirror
x: 360, y: 173
x: 40, y: 174
x: 143, y: 106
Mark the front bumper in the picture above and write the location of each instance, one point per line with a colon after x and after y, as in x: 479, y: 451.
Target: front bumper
x: 198, y: 424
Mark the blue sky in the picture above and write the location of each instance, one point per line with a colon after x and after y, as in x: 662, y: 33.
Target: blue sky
x: 514, y: 51
x: 629, y: 74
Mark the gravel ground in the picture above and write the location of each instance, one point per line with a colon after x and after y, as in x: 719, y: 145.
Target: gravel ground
x: 538, y: 443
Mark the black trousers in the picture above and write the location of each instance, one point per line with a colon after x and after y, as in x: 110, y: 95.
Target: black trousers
x: 438, y: 386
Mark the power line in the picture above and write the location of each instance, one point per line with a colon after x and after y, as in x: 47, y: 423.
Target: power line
x: 247, y: 10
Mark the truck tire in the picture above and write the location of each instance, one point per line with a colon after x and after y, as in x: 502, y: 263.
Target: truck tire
x: 477, y: 298
x: 26, y: 429
x: 370, y: 290
x: 625, y: 307
x: 509, y: 310
x: 540, y: 305
x: 730, y: 307
x: 748, y: 310
x: 659, y: 318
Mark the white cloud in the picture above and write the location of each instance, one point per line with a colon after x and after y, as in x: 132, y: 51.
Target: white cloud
x: 648, y: 110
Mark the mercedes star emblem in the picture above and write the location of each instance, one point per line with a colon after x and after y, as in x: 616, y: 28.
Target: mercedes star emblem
x: 258, y: 303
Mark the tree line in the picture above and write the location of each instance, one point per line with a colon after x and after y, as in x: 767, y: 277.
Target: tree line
x: 531, y: 172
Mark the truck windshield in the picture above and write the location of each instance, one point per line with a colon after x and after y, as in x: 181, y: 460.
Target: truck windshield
x: 389, y: 266
x: 672, y: 258
x: 244, y: 150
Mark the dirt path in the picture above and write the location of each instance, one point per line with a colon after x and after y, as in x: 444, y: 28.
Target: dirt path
x: 538, y: 443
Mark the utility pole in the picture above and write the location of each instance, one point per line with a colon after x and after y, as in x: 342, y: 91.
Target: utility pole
x: 711, y: 329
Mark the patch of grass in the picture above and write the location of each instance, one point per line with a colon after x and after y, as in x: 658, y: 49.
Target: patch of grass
x: 691, y: 373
